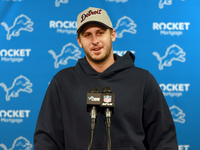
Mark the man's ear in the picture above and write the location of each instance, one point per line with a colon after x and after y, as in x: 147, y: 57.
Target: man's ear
x: 79, y: 41
x: 113, y: 35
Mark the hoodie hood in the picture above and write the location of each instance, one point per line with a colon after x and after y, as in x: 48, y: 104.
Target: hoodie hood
x: 121, y: 63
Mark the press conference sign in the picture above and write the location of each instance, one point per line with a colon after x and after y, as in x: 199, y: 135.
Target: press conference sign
x: 14, y: 54
x: 174, y: 89
x: 171, y: 28
x: 63, y: 27
x: 13, y: 116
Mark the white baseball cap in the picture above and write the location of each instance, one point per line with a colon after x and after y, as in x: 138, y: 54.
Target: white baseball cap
x: 92, y: 14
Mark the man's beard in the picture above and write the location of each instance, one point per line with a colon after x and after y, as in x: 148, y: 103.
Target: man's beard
x: 106, y: 56
x: 98, y: 60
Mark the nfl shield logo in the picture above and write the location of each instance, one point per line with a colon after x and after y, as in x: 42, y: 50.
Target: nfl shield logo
x: 107, y: 98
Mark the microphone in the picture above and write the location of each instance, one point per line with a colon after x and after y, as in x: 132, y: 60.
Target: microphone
x: 107, y: 104
x: 93, y: 106
x: 93, y: 102
x: 107, y: 107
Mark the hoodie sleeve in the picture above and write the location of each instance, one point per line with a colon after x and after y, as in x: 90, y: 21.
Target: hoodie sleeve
x: 49, y: 129
x: 160, y: 132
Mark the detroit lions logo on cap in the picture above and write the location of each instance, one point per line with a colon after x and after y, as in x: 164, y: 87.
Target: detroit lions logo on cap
x: 90, y: 12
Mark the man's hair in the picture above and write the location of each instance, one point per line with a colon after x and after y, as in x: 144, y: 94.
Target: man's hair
x: 102, y: 26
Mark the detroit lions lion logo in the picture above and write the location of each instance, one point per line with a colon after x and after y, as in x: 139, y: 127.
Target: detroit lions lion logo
x: 21, y: 23
x: 177, y: 114
x: 57, y: 2
x: 20, y: 84
x: 20, y: 143
x: 125, y: 24
x: 164, y: 2
x: 173, y: 53
x: 69, y: 51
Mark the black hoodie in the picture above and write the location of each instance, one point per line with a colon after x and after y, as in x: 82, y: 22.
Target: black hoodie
x: 141, y: 120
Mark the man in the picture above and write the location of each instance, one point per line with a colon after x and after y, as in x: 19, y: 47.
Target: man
x: 141, y: 121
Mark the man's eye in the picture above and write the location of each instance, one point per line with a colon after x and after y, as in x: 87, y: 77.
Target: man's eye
x: 101, y: 32
x: 86, y: 35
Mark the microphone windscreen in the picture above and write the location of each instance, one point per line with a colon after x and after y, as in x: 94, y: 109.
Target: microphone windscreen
x: 107, y: 89
x: 95, y: 90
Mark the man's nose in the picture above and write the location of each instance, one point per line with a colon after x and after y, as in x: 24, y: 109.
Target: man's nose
x: 95, y: 40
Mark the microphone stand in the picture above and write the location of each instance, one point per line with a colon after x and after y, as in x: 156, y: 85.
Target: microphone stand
x: 93, y: 115
x: 108, y: 123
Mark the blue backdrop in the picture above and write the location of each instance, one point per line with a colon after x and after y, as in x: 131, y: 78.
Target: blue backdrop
x: 38, y: 38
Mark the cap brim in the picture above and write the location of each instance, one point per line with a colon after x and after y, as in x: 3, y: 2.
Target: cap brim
x: 100, y: 23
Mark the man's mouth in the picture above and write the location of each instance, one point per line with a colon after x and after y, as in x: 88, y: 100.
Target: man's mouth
x: 97, y: 49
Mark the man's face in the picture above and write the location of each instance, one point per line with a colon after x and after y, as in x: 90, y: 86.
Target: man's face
x: 96, y: 40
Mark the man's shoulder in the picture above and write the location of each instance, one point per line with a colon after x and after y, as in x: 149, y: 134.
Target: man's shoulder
x: 65, y: 72
x: 141, y: 70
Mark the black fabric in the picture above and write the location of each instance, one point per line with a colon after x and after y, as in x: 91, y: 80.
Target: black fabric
x: 141, y: 120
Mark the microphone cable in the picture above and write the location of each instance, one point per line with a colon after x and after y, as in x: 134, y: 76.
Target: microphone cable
x: 93, y: 122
